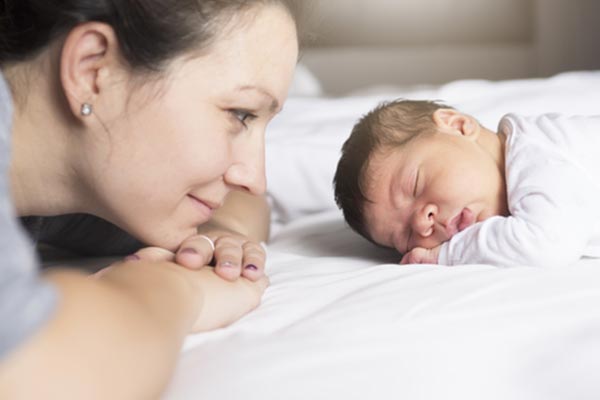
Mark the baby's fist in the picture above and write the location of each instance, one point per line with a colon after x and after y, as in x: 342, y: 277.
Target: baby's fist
x: 420, y: 255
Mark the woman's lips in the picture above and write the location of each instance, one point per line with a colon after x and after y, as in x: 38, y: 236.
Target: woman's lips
x: 207, y: 209
x: 460, y: 222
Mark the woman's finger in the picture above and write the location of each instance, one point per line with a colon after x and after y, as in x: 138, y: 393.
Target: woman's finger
x: 228, y: 257
x: 195, y: 252
x: 253, y: 262
x: 154, y: 254
x: 263, y: 282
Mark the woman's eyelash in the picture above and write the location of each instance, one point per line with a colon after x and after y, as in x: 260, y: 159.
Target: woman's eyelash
x: 243, y: 116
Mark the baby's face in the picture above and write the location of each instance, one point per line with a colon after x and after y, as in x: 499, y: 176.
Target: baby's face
x: 432, y: 188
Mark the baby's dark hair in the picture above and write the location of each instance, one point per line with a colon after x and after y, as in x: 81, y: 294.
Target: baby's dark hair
x: 389, y: 126
x: 150, y: 32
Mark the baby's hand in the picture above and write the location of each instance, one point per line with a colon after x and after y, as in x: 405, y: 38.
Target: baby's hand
x: 420, y: 255
x: 234, y: 254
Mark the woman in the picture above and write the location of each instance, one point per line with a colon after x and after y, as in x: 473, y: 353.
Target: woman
x: 144, y: 114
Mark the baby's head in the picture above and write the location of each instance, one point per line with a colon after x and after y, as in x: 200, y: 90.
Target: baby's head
x: 414, y: 173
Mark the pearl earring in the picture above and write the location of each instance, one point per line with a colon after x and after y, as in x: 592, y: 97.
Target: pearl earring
x: 86, y: 109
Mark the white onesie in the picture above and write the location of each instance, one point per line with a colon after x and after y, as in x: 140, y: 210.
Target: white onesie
x: 553, y: 189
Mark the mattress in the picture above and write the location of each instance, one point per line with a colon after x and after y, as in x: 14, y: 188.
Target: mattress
x: 343, y: 320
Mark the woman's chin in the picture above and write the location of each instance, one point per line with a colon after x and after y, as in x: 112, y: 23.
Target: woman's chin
x: 172, y: 240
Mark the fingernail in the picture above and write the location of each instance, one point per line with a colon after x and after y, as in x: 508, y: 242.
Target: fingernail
x: 188, y: 250
x: 132, y: 257
x: 251, y: 267
x: 226, y: 264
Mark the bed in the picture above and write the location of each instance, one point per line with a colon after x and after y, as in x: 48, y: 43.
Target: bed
x: 341, y: 319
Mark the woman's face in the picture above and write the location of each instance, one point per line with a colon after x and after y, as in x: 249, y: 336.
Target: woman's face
x: 168, y: 161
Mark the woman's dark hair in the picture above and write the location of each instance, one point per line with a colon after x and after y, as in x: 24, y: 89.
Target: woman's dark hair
x: 150, y: 32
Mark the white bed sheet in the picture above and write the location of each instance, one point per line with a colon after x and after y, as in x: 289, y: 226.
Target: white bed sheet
x: 342, y: 320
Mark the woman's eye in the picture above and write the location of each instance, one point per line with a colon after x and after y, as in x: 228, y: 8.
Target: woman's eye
x: 243, y: 116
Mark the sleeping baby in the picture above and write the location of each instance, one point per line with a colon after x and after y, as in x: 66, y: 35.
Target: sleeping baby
x: 433, y: 183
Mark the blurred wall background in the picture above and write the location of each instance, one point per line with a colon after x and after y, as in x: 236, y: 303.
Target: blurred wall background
x: 357, y: 43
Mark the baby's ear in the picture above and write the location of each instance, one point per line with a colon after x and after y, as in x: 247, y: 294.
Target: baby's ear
x: 451, y: 121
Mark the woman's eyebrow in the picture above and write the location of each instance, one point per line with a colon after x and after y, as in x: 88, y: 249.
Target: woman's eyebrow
x: 274, y: 107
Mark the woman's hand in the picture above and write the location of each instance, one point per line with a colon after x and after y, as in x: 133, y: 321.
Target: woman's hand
x: 233, y: 255
x: 420, y: 255
x: 226, y: 301
x: 223, y: 301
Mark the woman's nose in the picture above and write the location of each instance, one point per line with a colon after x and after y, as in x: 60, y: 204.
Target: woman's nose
x: 247, y: 172
x: 424, y: 220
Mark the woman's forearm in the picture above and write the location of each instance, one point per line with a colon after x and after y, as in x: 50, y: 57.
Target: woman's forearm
x: 114, y: 337
x: 118, y: 336
x: 243, y: 213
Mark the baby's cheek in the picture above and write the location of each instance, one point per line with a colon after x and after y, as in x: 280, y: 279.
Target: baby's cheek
x: 485, y: 214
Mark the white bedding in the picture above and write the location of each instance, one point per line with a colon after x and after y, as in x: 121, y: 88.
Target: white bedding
x: 338, y: 322
x: 341, y: 320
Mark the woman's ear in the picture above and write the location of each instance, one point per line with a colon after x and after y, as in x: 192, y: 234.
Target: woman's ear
x: 449, y: 120
x: 89, y: 55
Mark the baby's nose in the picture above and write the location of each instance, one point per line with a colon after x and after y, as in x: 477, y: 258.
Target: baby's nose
x: 425, y: 220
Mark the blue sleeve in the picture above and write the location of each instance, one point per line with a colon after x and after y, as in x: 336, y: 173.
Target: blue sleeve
x: 26, y: 301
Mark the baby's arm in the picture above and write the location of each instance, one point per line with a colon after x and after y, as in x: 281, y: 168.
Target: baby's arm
x: 549, y: 226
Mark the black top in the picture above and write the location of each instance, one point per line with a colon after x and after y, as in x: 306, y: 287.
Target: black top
x: 83, y: 234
